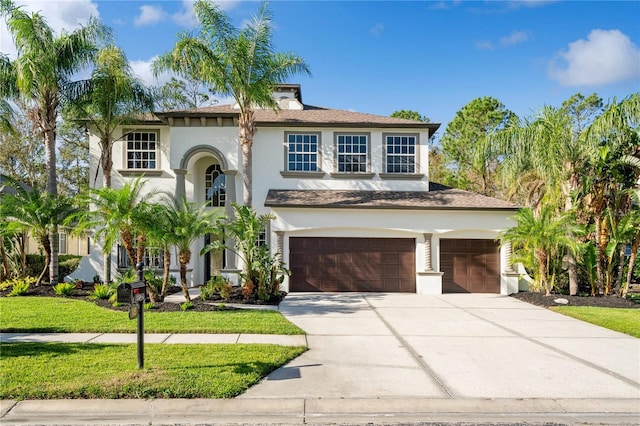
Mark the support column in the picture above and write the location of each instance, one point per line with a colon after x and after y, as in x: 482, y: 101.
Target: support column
x: 180, y: 184
x: 508, y: 265
x: 280, y: 244
x: 428, y: 263
x: 230, y: 188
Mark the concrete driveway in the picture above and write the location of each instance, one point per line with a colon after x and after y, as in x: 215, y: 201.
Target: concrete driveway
x: 458, y: 346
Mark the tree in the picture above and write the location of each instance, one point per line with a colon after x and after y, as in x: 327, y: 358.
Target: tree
x: 187, y: 223
x: 112, y: 215
x: 31, y: 210
x: 41, y: 74
x: 73, y: 158
x: 471, y: 155
x: 113, y: 97
x: 183, y: 93
x: 541, y: 236
x: 410, y: 115
x: 241, y: 63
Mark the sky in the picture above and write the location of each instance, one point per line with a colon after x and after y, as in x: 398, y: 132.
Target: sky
x: 432, y: 57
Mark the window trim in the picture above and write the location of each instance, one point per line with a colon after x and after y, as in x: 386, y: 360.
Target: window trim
x: 126, y: 171
x: 337, y: 173
x: 416, y: 157
x: 303, y: 173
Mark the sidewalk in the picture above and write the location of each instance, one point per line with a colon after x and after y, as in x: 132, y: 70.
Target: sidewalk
x: 320, y: 411
x: 168, y: 338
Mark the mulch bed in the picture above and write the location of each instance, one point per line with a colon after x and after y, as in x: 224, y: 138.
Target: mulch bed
x: 539, y: 299
x: 199, y: 305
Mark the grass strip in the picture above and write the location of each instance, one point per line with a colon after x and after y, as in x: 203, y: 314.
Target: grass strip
x: 623, y: 320
x: 76, y: 370
x: 60, y: 315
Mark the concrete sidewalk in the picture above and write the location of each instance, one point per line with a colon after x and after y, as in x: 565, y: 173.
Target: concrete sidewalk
x: 167, y: 338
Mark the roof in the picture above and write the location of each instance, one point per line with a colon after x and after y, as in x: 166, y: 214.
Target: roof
x: 439, y: 197
x: 308, y: 116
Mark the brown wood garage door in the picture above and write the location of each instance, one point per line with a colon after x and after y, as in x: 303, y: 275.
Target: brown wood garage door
x: 470, y: 266
x: 352, y: 264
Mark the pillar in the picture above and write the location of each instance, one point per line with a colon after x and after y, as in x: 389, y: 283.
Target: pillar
x: 428, y: 263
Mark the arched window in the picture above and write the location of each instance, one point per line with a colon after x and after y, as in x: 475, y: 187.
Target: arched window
x: 215, y: 186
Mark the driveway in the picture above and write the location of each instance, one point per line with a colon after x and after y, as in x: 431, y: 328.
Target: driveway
x: 457, y: 346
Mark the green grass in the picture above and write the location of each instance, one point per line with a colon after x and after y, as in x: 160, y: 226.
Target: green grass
x: 72, y: 370
x: 623, y: 320
x: 59, y: 315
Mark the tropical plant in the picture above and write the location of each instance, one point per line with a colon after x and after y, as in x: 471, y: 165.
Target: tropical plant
x: 20, y: 286
x: 64, y: 289
x: 40, y: 77
x: 240, y: 63
x: 187, y: 223
x: 102, y: 291
x: 262, y: 271
x: 112, y: 216
x: 114, y: 96
x: 542, y: 235
x: 216, y: 285
x: 38, y: 213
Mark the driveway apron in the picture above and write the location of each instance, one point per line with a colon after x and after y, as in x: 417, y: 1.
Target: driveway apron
x: 457, y: 346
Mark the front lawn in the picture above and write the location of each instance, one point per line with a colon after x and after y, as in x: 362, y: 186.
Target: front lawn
x: 70, y: 370
x: 623, y: 320
x: 60, y: 315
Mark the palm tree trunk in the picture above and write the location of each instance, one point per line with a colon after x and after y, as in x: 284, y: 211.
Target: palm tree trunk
x: 167, y: 271
x: 246, y: 128
x: 599, y: 255
x: 45, y: 242
x: 541, y: 255
x: 572, y: 267
x: 52, y: 187
x: 107, y: 163
x: 184, y: 258
x: 106, y: 263
x: 632, y: 261
x: 127, y: 240
x: 618, y: 285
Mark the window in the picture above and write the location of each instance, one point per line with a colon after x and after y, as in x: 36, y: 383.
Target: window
x: 215, y: 186
x: 352, y: 153
x: 401, y: 153
x: 302, y: 152
x: 142, y: 150
x: 62, y: 243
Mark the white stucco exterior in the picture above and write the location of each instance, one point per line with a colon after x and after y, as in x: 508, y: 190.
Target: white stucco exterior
x: 188, y: 145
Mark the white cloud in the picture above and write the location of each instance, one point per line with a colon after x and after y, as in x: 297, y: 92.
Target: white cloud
x: 484, y: 45
x: 606, y: 56
x: 142, y: 69
x: 516, y: 37
x: 150, y: 15
x: 67, y: 15
x: 376, y: 30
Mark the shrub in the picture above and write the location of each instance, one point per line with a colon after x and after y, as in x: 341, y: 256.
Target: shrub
x: 216, y: 285
x: 186, y: 306
x: 67, y: 264
x: 102, y: 291
x: 20, y: 286
x: 64, y: 289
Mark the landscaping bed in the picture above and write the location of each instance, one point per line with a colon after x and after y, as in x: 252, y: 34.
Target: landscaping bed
x: 539, y: 299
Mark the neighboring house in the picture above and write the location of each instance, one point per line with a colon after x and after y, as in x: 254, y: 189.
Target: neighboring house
x: 354, y: 209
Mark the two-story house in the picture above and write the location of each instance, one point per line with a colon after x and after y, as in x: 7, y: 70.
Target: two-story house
x: 354, y: 209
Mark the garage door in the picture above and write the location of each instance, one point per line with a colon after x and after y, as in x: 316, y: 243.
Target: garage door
x: 470, y: 266
x: 352, y: 264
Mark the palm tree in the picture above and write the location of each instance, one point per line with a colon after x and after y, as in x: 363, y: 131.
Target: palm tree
x: 155, y: 221
x: 112, y: 215
x: 187, y: 223
x: 41, y: 75
x: 113, y: 97
x: 542, y: 236
x: 239, y: 63
x: 30, y: 210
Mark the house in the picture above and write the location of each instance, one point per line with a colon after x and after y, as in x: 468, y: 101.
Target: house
x: 354, y: 209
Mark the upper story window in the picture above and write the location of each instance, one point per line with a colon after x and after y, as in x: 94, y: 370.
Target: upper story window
x: 352, y: 153
x: 401, y: 153
x: 302, y: 152
x: 215, y: 186
x: 142, y: 150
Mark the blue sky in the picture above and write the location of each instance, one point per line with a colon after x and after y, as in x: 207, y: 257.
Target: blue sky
x: 428, y: 56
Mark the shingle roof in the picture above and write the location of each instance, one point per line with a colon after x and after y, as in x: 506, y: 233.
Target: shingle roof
x: 309, y: 115
x: 439, y: 197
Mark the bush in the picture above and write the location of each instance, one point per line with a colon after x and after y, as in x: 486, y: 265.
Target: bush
x: 67, y: 264
x: 64, y: 289
x: 102, y: 291
x: 217, y: 285
x: 186, y: 306
x: 20, y: 286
